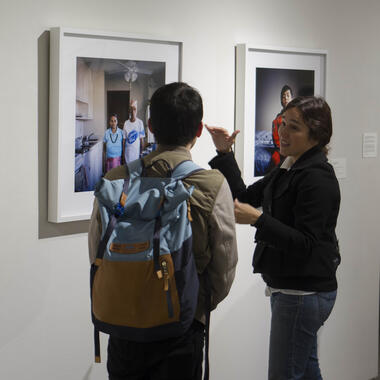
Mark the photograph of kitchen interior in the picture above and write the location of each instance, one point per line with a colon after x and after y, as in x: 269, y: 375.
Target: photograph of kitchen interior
x: 105, y: 87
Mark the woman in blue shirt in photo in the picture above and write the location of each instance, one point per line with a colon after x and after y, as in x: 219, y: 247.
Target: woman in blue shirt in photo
x: 113, y: 143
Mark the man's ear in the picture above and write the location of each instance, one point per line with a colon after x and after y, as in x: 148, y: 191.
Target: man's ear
x: 150, y: 126
x: 200, y: 129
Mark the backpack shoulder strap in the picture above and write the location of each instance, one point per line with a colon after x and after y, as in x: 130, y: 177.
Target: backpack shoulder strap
x: 185, y: 169
x: 135, y: 168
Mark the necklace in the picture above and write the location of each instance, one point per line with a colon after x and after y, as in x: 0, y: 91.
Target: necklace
x: 113, y: 142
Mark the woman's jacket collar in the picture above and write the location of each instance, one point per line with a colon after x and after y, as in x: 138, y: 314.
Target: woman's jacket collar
x: 313, y: 156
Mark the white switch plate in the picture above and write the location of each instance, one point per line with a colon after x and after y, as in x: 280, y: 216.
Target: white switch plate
x: 369, y: 145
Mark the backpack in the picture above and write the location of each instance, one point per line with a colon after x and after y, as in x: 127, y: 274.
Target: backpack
x: 144, y: 283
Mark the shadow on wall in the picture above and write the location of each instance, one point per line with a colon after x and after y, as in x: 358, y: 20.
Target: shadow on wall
x: 88, y: 373
x: 45, y: 228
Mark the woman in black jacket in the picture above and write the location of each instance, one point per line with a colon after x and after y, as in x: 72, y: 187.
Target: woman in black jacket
x: 296, y: 247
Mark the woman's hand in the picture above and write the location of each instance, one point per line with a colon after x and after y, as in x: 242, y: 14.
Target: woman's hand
x: 222, y: 140
x: 245, y: 213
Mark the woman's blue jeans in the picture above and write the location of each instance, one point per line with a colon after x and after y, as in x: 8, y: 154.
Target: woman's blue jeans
x: 293, y: 337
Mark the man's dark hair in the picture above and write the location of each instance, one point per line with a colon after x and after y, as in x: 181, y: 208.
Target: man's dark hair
x: 113, y: 115
x: 316, y: 114
x: 176, y: 110
x: 284, y: 89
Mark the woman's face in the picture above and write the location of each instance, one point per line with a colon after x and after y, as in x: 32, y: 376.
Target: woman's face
x: 294, y: 135
x: 113, y: 122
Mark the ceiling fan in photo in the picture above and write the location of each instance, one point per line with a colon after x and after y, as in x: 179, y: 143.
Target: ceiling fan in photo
x: 132, y: 71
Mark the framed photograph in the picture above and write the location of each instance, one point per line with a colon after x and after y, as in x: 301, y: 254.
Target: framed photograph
x: 100, y: 89
x: 266, y: 80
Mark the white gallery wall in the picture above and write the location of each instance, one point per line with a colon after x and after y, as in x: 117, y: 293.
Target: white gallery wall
x: 45, y: 329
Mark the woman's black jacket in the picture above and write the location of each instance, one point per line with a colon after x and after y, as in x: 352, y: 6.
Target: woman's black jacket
x: 296, y: 245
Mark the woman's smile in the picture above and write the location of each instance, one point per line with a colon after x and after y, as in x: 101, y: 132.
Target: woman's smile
x: 294, y: 135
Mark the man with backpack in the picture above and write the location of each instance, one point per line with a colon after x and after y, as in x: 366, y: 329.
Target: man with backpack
x: 176, y: 113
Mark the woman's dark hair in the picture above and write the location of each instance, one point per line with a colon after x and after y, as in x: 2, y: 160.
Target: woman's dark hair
x: 176, y: 110
x: 316, y: 114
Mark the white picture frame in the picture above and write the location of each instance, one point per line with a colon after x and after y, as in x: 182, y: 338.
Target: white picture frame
x: 66, y: 45
x: 275, y: 63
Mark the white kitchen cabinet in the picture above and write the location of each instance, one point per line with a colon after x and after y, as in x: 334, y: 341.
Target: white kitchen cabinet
x: 93, y: 163
x: 97, y: 161
x: 84, y: 94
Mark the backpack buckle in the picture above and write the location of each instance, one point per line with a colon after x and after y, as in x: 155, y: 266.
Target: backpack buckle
x: 119, y: 210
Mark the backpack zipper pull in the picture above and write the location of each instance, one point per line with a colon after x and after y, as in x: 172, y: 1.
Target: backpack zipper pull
x: 189, y: 211
x: 165, y: 271
x: 159, y: 274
